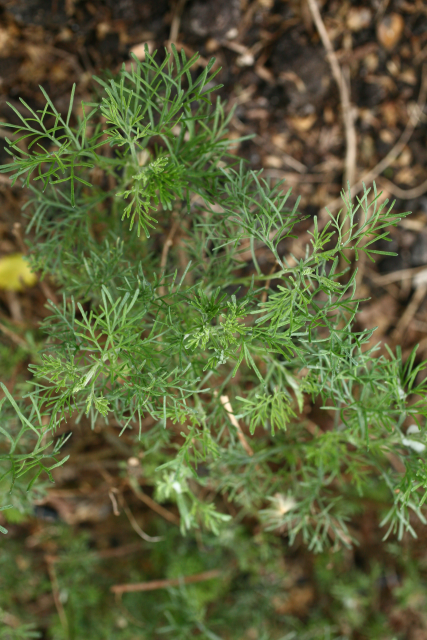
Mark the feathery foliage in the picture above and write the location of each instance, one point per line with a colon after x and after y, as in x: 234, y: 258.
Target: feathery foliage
x: 154, y: 231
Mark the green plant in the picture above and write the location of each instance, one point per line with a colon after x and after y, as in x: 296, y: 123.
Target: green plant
x: 163, y: 244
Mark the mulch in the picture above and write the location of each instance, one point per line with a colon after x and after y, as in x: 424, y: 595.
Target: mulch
x: 276, y: 73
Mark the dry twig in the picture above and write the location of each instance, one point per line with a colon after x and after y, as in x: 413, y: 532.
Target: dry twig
x: 113, y: 499
x: 404, y: 194
x: 225, y: 401
x: 164, y: 584
x: 50, y: 561
x: 165, y: 251
x: 176, y: 21
x: 135, y: 526
x: 410, y: 311
x: 344, y: 90
x: 167, y: 515
x: 20, y: 342
x: 267, y: 284
x: 395, y: 276
x: 372, y: 174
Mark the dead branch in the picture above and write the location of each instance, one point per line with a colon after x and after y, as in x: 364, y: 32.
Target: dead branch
x: 410, y: 311
x: 135, y: 526
x: 165, y: 251
x: 371, y: 175
x: 164, y: 584
x: 50, y: 562
x: 167, y: 515
x: 404, y: 194
x: 344, y: 91
x: 176, y: 21
x: 225, y: 401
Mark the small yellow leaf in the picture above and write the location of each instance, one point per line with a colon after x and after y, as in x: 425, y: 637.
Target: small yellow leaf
x: 15, y: 273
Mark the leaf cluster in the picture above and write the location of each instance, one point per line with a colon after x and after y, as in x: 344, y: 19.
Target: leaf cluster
x: 152, y: 332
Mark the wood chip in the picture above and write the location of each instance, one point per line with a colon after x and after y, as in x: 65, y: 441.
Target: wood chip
x: 359, y: 18
x: 390, y: 30
x: 304, y: 123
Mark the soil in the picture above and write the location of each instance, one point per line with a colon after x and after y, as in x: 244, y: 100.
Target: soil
x: 276, y: 72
